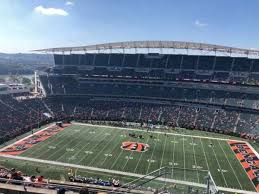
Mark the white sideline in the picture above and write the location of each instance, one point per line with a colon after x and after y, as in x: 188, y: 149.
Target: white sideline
x: 251, y: 147
x: 128, y: 173
x: 170, y: 133
x: 123, y: 173
x: 159, y: 132
x: 10, y: 145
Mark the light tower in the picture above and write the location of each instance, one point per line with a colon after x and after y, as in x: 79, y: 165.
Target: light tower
x: 35, y: 82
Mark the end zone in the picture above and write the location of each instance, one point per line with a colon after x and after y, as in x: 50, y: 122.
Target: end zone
x: 248, y: 159
x: 22, y: 145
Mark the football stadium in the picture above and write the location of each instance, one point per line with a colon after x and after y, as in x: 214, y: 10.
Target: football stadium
x: 135, y: 117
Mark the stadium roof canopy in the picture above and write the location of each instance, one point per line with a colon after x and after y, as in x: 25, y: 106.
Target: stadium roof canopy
x: 155, y: 45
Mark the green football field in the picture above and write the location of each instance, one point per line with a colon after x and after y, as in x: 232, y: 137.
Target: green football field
x: 190, y: 157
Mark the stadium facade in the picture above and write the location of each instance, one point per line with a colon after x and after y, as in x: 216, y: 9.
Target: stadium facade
x: 216, y: 91
x: 140, y: 84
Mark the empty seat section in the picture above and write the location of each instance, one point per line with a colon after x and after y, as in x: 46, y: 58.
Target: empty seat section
x: 67, y: 60
x: 74, y: 59
x: 174, y: 61
x: 130, y: 60
x: 223, y: 63
x: 116, y: 60
x: 58, y: 59
x: 206, y: 62
x: 221, y: 76
x: 189, y: 62
x: 159, y: 61
x: 255, y: 65
x: 242, y: 64
x: 144, y: 61
x: 101, y: 60
x: 86, y: 59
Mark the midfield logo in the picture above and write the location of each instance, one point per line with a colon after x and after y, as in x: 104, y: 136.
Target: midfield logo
x: 134, y: 146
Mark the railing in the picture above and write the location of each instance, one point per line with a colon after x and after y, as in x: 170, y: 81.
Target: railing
x: 52, y: 186
x: 161, y: 181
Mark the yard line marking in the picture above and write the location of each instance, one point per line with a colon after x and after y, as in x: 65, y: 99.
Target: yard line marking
x: 101, y: 151
x: 116, y: 145
x: 51, y: 140
x: 83, y: 149
x: 163, y: 153
x: 230, y: 165
x: 219, y: 164
x: 158, y: 132
x: 141, y: 156
x: 184, y: 172
x: 79, y: 162
x: 127, y: 161
x: 204, y: 155
x: 57, y: 148
x: 131, y: 154
x: 20, y: 140
x: 195, y: 161
x: 149, y: 163
x: 122, y: 173
x: 76, y: 145
x: 37, y: 148
x: 116, y: 159
x: 174, y: 144
x: 62, y: 147
x: 173, y: 159
x: 185, y: 149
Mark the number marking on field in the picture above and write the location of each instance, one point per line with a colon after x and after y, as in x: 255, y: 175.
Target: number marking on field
x: 129, y: 158
x: 151, y: 161
x: 88, y: 152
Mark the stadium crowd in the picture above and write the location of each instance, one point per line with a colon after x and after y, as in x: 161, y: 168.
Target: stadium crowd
x: 12, y: 176
x: 216, y: 98
x: 216, y: 94
x: 96, y: 181
x: 196, y: 92
x: 15, y: 177
x: 18, y: 117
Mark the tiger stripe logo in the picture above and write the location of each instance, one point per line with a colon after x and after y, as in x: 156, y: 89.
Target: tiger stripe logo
x: 134, y: 146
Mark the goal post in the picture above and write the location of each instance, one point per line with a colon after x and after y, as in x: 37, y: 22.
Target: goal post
x: 163, y: 180
x: 211, y: 185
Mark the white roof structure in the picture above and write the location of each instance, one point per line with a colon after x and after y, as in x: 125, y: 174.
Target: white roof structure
x: 2, y: 85
x: 155, y: 45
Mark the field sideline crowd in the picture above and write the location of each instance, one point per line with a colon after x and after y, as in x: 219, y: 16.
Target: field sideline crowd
x: 20, y: 116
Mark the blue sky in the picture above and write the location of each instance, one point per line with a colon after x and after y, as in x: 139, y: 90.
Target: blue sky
x: 35, y: 24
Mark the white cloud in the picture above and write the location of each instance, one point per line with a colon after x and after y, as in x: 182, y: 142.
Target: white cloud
x: 200, y: 24
x: 50, y: 11
x: 70, y: 3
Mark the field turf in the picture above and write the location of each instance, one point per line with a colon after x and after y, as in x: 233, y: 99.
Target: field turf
x: 100, y: 147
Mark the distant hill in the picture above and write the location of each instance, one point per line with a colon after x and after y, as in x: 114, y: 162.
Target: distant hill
x: 24, y: 63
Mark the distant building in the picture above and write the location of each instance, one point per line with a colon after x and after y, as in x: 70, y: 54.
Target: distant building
x: 13, y: 89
